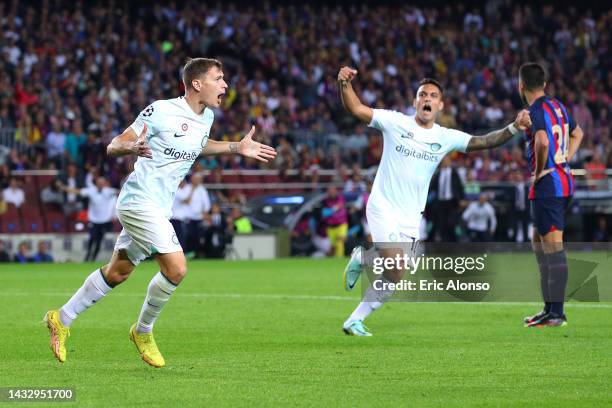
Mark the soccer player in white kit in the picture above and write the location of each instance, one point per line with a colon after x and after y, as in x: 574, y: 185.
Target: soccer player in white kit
x: 167, y: 137
x: 413, y: 148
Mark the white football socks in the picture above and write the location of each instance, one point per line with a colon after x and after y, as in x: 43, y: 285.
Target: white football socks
x: 159, y: 292
x: 94, y: 288
x: 372, y: 300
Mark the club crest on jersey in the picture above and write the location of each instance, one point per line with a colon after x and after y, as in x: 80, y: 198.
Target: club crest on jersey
x: 184, y: 127
x: 434, y: 146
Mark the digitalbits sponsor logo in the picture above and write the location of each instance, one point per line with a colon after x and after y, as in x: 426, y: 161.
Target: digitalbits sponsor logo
x: 181, y: 155
x: 410, y: 152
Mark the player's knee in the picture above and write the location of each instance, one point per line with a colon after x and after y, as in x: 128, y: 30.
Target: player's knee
x: 176, y: 272
x: 181, y: 270
x: 116, y: 273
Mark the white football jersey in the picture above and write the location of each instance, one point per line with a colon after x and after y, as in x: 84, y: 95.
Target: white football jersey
x: 410, y: 157
x: 176, y: 136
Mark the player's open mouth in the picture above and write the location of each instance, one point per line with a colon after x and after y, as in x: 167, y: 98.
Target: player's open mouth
x: 220, y: 97
x: 427, y: 108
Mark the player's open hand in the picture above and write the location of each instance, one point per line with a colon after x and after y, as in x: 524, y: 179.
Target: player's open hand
x: 141, y: 147
x: 523, y: 121
x: 250, y: 148
x: 346, y: 74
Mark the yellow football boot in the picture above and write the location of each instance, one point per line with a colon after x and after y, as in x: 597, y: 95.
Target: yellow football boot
x: 147, y: 348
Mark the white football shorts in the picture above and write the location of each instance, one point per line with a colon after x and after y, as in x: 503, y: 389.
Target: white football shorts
x: 145, y: 233
x: 387, y: 226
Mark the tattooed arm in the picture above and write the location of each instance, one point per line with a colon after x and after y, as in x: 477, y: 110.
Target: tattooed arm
x: 350, y: 100
x: 246, y: 147
x: 501, y: 136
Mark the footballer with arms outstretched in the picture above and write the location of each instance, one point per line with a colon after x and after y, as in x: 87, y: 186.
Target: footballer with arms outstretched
x: 413, y: 149
x: 167, y: 137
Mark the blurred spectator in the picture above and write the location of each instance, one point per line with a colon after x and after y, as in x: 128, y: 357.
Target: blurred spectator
x: 53, y: 194
x: 301, y: 238
x: 13, y: 194
x: 601, y: 233
x: 74, y: 141
x: 480, y: 219
x: 3, y: 206
x: 198, y: 204
x: 449, y: 193
x: 216, y: 230
x: 42, y: 255
x: 336, y: 218
x: 596, y: 169
x: 180, y: 209
x: 100, y: 213
x: 240, y: 223
x: 320, y: 240
x: 519, y: 213
x: 22, y: 255
x: 56, y: 142
x: 4, y: 255
x: 356, y: 184
x: 73, y: 181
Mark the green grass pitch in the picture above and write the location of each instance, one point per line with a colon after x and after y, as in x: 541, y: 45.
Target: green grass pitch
x: 268, y: 333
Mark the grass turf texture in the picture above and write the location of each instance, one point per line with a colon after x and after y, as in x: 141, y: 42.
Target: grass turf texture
x: 267, y: 333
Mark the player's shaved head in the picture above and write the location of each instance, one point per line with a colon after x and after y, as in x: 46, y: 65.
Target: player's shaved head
x: 533, y: 76
x: 196, y: 68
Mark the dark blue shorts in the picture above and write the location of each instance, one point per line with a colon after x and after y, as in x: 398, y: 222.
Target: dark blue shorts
x: 549, y: 213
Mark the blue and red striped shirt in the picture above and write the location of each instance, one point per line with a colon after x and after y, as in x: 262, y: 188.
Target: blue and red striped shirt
x: 550, y: 115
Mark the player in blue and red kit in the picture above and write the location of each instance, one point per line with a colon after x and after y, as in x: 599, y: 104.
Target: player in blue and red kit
x: 552, y: 141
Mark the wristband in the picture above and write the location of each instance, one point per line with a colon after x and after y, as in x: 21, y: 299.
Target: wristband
x: 512, y: 129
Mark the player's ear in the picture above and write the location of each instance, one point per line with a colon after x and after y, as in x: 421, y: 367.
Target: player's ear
x: 196, y: 85
x: 414, y: 102
x: 441, y: 106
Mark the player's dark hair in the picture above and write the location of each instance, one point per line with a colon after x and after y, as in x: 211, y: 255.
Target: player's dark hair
x: 431, y: 81
x: 196, y: 67
x: 533, y: 76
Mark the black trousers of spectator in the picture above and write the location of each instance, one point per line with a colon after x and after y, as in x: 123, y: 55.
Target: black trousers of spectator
x: 446, y: 220
x: 216, y: 241
x: 180, y: 230
x: 194, y: 236
x: 96, y: 234
x: 479, y: 236
x: 520, y: 220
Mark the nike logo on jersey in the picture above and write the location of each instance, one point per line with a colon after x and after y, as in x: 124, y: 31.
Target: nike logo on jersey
x: 177, y: 135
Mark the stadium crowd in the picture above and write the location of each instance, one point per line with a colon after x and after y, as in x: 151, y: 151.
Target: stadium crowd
x: 72, y: 76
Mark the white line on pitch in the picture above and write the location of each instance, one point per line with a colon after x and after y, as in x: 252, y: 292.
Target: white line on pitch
x: 306, y: 297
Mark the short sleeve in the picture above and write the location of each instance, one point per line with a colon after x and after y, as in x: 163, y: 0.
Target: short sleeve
x: 456, y: 139
x: 537, y: 120
x: 570, y: 120
x: 382, y: 119
x: 148, y: 116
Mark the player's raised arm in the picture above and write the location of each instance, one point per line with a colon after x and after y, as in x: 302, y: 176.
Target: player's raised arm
x: 247, y: 147
x: 501, y: 136
x: 130, y: 143
x: 350, y: 100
